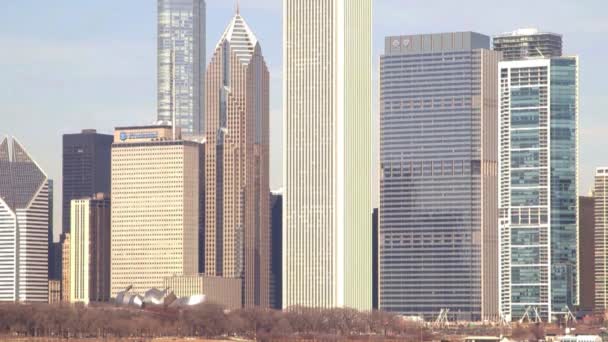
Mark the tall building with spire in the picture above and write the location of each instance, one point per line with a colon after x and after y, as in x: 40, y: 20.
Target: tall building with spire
x: 237, y: 223
x: 327, y: 161
x: 23, y: 226
x: 181, y: 64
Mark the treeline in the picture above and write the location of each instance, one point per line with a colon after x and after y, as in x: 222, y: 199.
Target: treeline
x: 206, y: 320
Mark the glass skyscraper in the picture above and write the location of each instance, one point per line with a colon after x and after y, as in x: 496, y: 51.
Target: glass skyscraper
x: 538, y: 192
x: 181, y: 64
x: 438, y: 154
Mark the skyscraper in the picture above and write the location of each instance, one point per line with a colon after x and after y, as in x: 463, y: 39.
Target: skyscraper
x: 538, y: 190
x: 327, y: 108
x: 438, y: 156
x: 181, y: 63
x: 237, y: 229
x: 86, y: 168
x: 155, y: 207
x: 23, y: 226
x: 90, y: 250
x: 528, y: 43
x: 600, y: 197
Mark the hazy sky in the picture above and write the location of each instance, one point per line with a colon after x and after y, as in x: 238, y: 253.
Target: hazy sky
x: 66, y: 65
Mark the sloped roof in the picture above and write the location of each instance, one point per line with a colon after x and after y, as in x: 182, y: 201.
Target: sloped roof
x: 241, y: 38
x: 20, y: 176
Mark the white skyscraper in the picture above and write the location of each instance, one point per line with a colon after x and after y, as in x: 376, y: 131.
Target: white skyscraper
x: 23, y: 226
x: 181, y: 64
x: 327, y: 238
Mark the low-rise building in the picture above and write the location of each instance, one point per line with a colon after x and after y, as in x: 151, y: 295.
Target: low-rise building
x: 218, y: 290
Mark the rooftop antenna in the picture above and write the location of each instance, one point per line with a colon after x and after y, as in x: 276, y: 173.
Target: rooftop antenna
x: 237, y: 7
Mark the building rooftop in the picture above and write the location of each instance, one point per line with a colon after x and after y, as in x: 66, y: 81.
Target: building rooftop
x: 525, y: 32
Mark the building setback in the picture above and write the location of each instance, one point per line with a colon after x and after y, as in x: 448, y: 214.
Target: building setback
x: 23, y: 226
x: 438, y: 155
x: 86, y: 168
x: 181, y: 64
x: 600, y: 197
x: 586, y: 219
x: 538, y: 192
x: 237, y: 229
x: 90, y: 250
x: 327, y: 158
x: 155, y: 207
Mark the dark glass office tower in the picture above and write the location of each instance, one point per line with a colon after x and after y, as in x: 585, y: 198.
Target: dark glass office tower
x: 438, y: 152
x: 276, y: 249
x: 586, y: 243
x: 86, y: 168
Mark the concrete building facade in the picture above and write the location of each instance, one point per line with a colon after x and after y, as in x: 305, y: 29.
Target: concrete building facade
x: 90, y: 250
x: 237, y: 216
x: 155, y: 207
x: 327, y: 156
x: 181, y: 64
x: 438, y: 158
x: 23, y: 226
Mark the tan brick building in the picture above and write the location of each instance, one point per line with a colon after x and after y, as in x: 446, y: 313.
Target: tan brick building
x: 155, y: 207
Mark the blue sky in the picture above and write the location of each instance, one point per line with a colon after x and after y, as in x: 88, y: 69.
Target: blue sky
x: 72, y: 64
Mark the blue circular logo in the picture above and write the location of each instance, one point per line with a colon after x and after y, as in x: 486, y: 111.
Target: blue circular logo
x: 123, y: 136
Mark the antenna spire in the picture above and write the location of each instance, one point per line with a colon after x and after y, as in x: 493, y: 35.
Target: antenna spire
x: 238, y: 7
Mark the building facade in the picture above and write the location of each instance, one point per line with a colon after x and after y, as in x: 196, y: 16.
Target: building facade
x: 438, y: 158
x: 586, y: 245
x: 217, y: 290
x: 528, y: 43
x: 86, y: 168
x: 276, y: 248
x: 538, y: 190
x: 375, y: 280
x: 155, y: 207
x: 66, y: 269
x: 90, y: 250
x: 181, y: 64
x: 54, y: 291
x: 327, y: 157
x: 237, y: 229
x: 23, y: 226
x: 600, y: 197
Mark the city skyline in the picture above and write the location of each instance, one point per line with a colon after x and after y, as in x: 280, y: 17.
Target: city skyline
x: 427, y: 156
x: 58, y: 66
